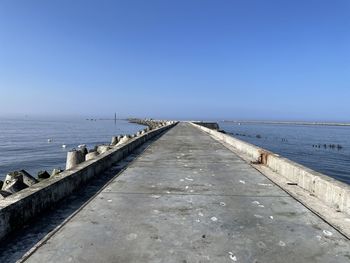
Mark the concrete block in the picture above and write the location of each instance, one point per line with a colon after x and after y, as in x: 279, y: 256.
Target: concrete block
x: 43, y: 175
x: 56, y: 171
x: 91, y: 155
x: 17, y: 181
x: 74, y: 158
x: 102, y: 149
x: 4, y: 194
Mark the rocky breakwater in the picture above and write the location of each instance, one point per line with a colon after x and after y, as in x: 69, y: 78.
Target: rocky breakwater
x: 16, y: 181
x: 152, y: 124
x: 24, y: 197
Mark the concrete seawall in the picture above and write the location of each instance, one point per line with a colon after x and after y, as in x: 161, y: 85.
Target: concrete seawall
x: 210, y: 125
x: 329, y: 191
x: 22, y: 206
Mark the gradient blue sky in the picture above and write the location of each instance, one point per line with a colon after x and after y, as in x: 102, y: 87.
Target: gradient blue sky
x: 263, y: 59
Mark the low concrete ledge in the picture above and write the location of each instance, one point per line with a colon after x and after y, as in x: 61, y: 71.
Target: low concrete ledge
x: 22, y: 206
x: 209, y: 125
x: 329, y: 191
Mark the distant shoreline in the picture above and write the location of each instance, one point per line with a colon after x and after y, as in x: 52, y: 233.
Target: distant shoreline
x: 291, y: 122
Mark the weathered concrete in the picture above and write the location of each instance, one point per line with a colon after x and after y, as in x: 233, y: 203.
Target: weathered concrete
x: 22, y: 206
x: 17, y: 181
x: 74, y: 157
x: 187, y: 198
x: 328, y: 197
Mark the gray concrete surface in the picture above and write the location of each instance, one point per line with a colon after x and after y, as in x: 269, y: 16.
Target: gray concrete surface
x: 187, y: 198
x: 328, y: 190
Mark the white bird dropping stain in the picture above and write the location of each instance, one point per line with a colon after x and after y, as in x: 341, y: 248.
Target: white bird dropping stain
x: 232, y: 257
x: 255, y: 203
x: 222, y: 204
x: 262, y: 206
x: 265, y: 184
x: 258, y: 216
x: 156, y: 196
x: 186, y: 187
x: 327, y: 233
x: 214, y: 219
x: 131, y: 236
x: 242, y: 182
x: 281, y: 244
x: 271, y: 217
x: 109, y: 200
x: 189, y: 179
x: 200, y: 214
x: 198, y: 220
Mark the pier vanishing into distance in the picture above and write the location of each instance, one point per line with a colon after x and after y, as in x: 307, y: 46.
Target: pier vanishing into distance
x: 183, y: 192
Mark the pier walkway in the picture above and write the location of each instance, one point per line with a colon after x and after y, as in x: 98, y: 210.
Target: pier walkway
x: 187, y: 198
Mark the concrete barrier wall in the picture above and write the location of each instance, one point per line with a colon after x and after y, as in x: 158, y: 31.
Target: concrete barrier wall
x: 330, y: 191
x: 210, y: 125
x: 20, y: 207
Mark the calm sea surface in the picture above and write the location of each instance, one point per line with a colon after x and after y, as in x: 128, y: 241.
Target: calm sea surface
x: 24, y: 143
x: 295, y: 142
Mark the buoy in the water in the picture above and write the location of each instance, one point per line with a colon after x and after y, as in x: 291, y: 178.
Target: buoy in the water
x: 64, y: 146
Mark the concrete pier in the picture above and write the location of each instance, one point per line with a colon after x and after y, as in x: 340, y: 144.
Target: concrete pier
x: 187, y: 198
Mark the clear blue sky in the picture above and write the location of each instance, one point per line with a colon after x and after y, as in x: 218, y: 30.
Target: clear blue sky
x: 234, y: 59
